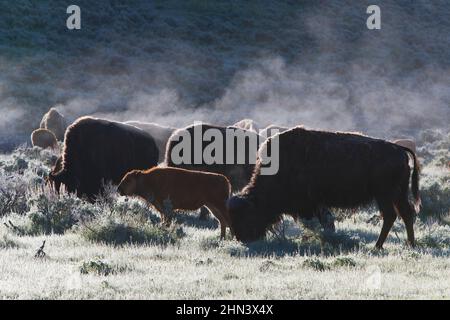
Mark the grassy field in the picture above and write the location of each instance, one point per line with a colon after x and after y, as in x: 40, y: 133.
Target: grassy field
x: 117, y: 249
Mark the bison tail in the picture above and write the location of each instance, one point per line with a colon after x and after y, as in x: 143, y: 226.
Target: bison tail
x: 415, y: 185
x: 415, y: 181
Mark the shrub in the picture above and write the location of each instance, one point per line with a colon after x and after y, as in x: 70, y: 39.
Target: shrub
x: 119, y: 222
x: 315, y: 264
x: 344, y: 262
x: 53, y: 213
x: 13, y: 191
x: 7, y: 243
x: 435, y: 195
x: 117, y: 230
x: 101, y: 268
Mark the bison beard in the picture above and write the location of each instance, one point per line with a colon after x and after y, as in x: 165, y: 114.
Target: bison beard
x: 325, y: 169
x: 98, y: 151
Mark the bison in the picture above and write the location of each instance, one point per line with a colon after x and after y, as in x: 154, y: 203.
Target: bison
x: 55, y: 122
x: 407, y: 143
x: 98, y: 151
x: 186, y: 190
x: 238, y: 173
x: 327, y: 169
x: 43, y: 138
x: 159, y: 132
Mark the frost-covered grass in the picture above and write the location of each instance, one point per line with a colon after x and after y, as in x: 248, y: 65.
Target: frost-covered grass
x: 79, y: 269
x: 118, y: 249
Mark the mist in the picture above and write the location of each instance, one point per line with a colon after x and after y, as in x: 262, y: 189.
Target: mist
x: 298, y: 62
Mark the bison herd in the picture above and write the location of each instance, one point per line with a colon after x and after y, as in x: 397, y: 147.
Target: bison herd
x: 317, y: 170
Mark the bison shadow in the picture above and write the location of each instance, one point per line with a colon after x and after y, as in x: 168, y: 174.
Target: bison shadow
x: 302, y: 241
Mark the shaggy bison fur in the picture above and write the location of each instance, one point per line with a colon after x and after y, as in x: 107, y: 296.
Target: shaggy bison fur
x: 55, y: 122
x: 407, y: 143
x: 98, y: 151
x: 43, y: 138
x: 238, y: 174
x: 328, y: 169
x: 186, y: 190
x: 159, y: 132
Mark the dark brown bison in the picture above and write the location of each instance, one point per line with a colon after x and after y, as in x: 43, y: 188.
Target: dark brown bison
x: 238, y: 173
x: 159, y: 132
x: 326, y: 169
x: 407, y: 143
x: 272, y: 129
x: 186, y: 190
x: 98, y: 151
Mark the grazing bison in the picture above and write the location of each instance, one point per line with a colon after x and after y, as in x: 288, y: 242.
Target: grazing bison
x: 98, y: 151
x: 55, y: 122
x: 407, y: 143
x: 246, y: 124
x: 325, y: 169
x: 238, y: 173
x: 43, y: 138
x: 186, y: 190
x: 160, y: 133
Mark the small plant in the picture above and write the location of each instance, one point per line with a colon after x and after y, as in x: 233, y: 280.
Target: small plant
x: 266, y: 266
x: 315, y: 264
x: 53, y: 213
x: 344, y: 262
x: 209, y: 243
x: 100, y: 268
x: 96, y: 267
x: 13, y: 191
x: 7, y: 243
x: 117, y: 229
x: 230, y: 276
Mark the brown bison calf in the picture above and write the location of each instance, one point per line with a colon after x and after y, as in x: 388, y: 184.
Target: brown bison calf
x: 186, y: 189
x: 320, y: 169
x: 43, y: 138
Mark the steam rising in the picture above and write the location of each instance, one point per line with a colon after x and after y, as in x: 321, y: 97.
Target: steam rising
x: 305, y: 62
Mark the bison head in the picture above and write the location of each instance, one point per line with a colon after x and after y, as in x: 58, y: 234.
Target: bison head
x: 246, y: 224
x: 63, y: 177
x: 129, y: 183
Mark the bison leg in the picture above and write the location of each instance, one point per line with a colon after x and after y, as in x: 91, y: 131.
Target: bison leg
x: 406, y: 212
x: 389, y: 216
x: 166, y: 220
x: 219, y: 214
x: 326, y: 219
x: 204, y: 213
